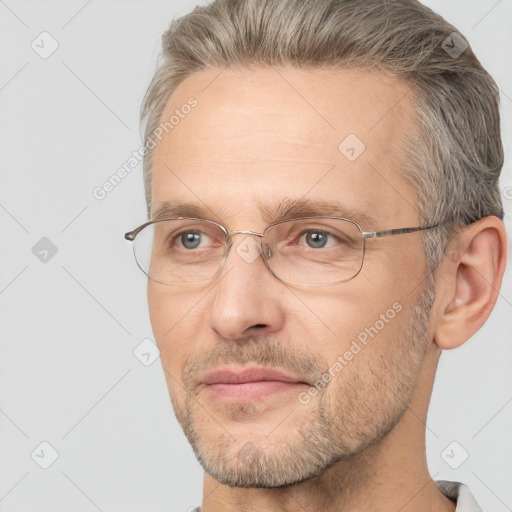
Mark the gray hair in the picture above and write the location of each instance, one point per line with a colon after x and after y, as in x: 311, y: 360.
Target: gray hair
x: 455, y: 158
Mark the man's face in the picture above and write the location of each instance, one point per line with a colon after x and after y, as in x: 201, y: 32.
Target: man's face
x: 262, y: 136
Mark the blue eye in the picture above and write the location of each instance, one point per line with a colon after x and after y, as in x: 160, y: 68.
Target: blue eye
x: 316, y: 239
x: 190, y: 239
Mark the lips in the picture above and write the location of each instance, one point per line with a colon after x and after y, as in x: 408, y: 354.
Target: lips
x: 225, y: 376
x: 249, y: 384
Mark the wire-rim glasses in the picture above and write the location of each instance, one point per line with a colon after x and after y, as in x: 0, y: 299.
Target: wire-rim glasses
x: 308, y: 251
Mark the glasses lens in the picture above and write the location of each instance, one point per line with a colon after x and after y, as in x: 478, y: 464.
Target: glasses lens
x: 315, y: 251
x: 180, y: 251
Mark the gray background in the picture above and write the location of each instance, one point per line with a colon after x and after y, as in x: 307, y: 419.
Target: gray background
x: 70, y: 324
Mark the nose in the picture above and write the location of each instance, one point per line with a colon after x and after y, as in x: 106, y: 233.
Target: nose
x: 247, y: 299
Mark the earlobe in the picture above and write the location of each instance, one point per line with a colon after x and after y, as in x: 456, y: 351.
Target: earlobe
x: 468, y: 282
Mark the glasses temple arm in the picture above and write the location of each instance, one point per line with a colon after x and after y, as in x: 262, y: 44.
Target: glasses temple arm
x: 388, y: 232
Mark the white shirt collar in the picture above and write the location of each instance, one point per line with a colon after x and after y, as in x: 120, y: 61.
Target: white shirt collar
x: 461, y: 493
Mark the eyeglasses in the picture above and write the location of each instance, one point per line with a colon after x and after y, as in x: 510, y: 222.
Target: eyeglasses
x: 310, y: 251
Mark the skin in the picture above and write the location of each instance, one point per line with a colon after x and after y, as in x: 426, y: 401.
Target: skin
x: 265, y: 134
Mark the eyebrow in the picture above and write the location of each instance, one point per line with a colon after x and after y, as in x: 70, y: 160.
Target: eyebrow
x: 285, y: 208
x: 288, y: 208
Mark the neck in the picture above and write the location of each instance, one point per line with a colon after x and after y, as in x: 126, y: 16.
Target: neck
x: 390, y: 475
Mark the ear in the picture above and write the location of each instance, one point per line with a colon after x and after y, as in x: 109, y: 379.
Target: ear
x: 468, y: 281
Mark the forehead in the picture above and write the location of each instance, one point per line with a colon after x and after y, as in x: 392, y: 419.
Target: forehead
x: 286, y: 132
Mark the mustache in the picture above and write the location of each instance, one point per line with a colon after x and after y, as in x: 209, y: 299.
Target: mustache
x: 261, y: 351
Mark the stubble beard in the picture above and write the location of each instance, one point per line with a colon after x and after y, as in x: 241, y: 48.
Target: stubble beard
x: 350, y: 414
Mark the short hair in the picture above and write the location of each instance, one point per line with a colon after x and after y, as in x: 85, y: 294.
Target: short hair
x: 454, y: 158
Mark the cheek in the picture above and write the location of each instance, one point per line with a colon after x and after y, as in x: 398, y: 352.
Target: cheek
x: 160, y: 312
x: 370, y: 346
x: 176, y: 323
x: 331, y: 319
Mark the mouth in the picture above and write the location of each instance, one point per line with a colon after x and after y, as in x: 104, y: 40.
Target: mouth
x: 249, y: 384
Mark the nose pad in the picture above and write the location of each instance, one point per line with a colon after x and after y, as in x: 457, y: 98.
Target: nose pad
x: 266, y: 251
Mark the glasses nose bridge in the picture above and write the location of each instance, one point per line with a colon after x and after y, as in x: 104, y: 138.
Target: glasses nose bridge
x: 230, y: 234
x: 229, y: 238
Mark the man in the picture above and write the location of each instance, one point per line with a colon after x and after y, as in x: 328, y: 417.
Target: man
x: 321, y: 179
